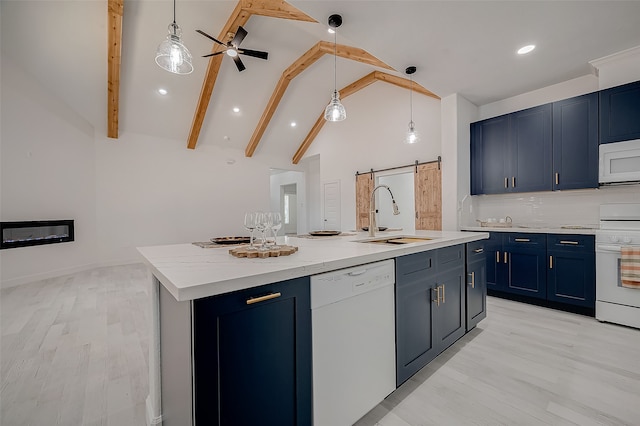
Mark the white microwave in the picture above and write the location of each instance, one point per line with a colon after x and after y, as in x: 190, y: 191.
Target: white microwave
x: 619, y: 162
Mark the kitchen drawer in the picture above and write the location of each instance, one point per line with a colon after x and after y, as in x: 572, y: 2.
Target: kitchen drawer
x: 424, y: 261
x: 584, y: 243
x: 475, y: 250
x: 449, y: 257
x: 526, y: 240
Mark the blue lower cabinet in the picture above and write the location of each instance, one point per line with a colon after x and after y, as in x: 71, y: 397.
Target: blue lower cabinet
x: 430, y: 307
x: 476, y: 284
x: 556, y: 268
x: 252, y: 356
x: 571, y: 273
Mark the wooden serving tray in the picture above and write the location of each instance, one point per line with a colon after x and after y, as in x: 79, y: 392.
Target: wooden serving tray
x: 282, y: 251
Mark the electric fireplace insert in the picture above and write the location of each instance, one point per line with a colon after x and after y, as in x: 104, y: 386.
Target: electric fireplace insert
x: 35, y: 233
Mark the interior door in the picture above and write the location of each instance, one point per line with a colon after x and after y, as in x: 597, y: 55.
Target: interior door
x: 428, y: 196
x: 331, y: 205
x: 364, y: 186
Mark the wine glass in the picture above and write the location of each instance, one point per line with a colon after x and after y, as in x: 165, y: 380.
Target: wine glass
x: 276, y: 224
x: 250, y: 221
x: 261, y: 226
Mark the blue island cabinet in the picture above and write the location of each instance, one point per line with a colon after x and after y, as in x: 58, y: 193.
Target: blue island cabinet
x: 252, y: 356
x: 430, y: 306
x: 476, y: 288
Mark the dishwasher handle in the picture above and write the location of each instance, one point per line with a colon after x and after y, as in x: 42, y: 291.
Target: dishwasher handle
x: 358, y: 272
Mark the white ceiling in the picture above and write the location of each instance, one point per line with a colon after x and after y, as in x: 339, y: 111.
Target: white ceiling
x: 465, y: 47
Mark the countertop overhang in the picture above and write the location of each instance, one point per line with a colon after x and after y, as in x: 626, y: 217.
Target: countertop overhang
x: 534, y: 229
x: 189, y: 272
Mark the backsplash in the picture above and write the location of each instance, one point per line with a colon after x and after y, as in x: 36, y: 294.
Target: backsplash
x: 558, y: 208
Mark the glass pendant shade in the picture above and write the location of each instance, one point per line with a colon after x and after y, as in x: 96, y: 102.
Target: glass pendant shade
x: 172, y: 55
x: 411, y: 136
x: 335, y: 110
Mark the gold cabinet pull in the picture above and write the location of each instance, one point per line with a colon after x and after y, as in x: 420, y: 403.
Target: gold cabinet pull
x: 550, y: 262
x: 557, y: 178
x: 568, y: 242
x: 505, y: 257
x: 437, y: 299
x: 522, y: 240
x: 473, y: 280
x: 478, y: 250
x: 513, y: 182
x: 252, y: 300
x: 506, y: 182
x: 442, y: 293
x: 497, y: 257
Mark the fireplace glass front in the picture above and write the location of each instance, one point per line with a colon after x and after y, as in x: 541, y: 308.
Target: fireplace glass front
x: 33, y: 233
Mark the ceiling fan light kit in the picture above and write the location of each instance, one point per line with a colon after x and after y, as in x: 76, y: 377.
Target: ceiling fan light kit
x: 335, y: 111
x: 233, y: 49
x: 412, y: 136
x: 172, y: 55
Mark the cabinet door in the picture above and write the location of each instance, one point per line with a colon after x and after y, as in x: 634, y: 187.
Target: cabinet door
x: 530, y: 156
x: 619, y: 112
x: 252, y: 361
x: 450, y: 319
x: 495, y: 261
x: 489, y: 144
x: 415, y: 290
x: 526, y: 265
x: 575, y: 142
x: 476, y: 290
x: 571, y: 269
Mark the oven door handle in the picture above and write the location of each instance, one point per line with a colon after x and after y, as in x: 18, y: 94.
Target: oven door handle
x: 606, y: 247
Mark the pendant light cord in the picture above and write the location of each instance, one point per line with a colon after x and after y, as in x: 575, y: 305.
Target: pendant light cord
x: 335, y: 61
x: 411, y: 99
x: 174, y: 12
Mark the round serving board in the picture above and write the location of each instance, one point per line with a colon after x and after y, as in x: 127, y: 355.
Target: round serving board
x: 281, y: 251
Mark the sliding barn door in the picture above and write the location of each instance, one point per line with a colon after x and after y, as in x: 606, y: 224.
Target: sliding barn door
x: 364, y: 186
x: 428, y: 194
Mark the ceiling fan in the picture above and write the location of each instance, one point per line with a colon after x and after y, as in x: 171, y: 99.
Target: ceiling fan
x: 233, y: 48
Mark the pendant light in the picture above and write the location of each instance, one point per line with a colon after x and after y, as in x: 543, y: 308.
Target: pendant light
x: 335, y: 110
x: 171, y: 54
x: 411, y: 136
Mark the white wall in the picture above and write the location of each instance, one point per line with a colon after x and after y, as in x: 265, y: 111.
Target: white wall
x: 47, y: 174
x: 154, y: 191
x: 372, y: 137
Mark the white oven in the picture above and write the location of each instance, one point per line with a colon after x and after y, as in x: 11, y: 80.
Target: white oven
x: 619, y: 227
x: 619, y: 162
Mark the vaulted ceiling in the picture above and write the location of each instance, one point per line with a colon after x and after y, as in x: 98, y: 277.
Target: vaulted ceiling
x: 464, y: 47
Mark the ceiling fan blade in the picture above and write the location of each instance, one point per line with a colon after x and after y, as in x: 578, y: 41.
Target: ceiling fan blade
x: 240, y: 35
x: 208, y: 36
x: 214, y: 54
x: 239, y: 63
x: 254, y: 53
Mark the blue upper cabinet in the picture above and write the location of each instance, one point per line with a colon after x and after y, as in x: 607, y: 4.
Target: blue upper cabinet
x: 530, y: 156
x: 489, y: 146
x: 575, y: 142
x: 512, y: 153
x: 620, y: 113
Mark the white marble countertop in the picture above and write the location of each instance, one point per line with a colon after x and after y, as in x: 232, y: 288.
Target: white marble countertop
x: 537, y: 229
x: 189, y: 272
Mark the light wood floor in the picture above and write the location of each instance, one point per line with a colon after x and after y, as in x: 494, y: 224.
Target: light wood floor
x: 74, y: 352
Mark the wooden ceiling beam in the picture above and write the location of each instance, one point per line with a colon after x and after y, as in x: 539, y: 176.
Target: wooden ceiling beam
x: 114, y: 59
x: 240, y: 15
x: 302, y: 63
x: 350, y: 90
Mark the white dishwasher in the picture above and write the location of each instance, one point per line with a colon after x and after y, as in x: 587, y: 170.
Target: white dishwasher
x: 353, y: 324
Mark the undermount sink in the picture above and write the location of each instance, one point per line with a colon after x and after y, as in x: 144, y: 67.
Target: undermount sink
x: 398, y: 239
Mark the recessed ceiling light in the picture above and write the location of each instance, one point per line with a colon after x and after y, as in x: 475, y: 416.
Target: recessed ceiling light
x: 236, y: 109
x: 162, y: 91
x: 526, y: 49
x: 294, y: 124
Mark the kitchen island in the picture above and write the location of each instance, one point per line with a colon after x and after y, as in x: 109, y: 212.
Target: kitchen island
x: 185, y: 275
